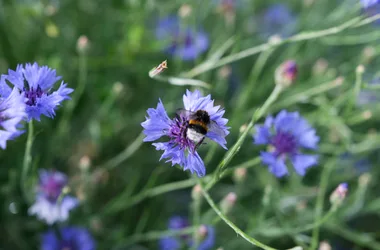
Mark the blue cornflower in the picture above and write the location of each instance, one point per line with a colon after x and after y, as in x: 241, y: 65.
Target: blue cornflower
x: 51, y: 204
x: 176, y: 242
x: 371, y: 7
x: 12, y: 112
x: 73, y: 238
x: 368, y: 3
x: 287, y: 134
x: 182, y: 42
x: 277, y: 19
x: 36, y: 84
x: 180, y: 149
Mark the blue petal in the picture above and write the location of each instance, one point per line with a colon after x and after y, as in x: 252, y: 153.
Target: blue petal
x: 169, y: 243
x: 209, y: 241
x: 172, y: 153
x: 157, y: 123
x: 276, y: 164
x: 262, y: 135
x: 194, y: 163
x: 302, y: 162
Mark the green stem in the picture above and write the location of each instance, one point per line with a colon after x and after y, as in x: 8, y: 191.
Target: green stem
x: 230, y: 223
x: 27, y: 161
x: 256, y: 116
x: 303, y: 36
x: 196, y: 207
x: 149, y: 193
x: 125, y: 154
x: 82, y: 80
x: 155, y: 235
x: 320, y: 200
x: 256, y: 71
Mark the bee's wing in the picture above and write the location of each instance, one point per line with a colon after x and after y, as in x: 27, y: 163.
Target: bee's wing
x: 184, y: 113
x: 215, y: 128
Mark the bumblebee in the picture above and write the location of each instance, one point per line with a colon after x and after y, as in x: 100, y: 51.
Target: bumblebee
x: 199, y: 125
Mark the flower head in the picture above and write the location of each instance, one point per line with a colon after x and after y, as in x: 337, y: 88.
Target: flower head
x: 183, y: 42
x: 207, y: 240
x: 73, y: 238
x: 286, y: 73
x: 287, y: 134
x: 277, y: 19
x: 12, y: 112
x: 371, y: 8
x: 51, y: 204
x: 181, y: 149
x: 36, y: 84
x: 369, y: 3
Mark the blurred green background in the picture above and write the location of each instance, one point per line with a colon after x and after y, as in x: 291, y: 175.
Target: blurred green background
x: 113, y: 91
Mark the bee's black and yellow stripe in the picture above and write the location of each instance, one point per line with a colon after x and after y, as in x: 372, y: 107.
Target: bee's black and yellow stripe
x: 198, y: 126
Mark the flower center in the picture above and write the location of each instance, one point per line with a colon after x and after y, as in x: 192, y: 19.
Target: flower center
x: 284, y: 143
x: 32, y: 95
x: 52, y: 189
x: 177, y: 133
x: 67, y: 245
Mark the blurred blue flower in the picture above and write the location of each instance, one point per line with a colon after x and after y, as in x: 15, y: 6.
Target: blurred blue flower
x: 36, y: 84
x: 277, y: 19
x: 182, y: 42
x: 369, y: 3
x: 286, y: 135
x: 12, y: 112
x: 371, y: 8
x: 180, y: 149
x: 367, y: 97
x: 176, y: 242
x: 51, y: 204
x: 73, y: 238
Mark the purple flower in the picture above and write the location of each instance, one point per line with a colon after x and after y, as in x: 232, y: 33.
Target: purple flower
x: 182, y: 42
x: 287, y: 134
x: 176, y: 242
x: 36, y: 84
x: 51, y: 205
x: 277, y: 20
x: 73, y: 238
x: 12, y: 112
x: 180, y: 149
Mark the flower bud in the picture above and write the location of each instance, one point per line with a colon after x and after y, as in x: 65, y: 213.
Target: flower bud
x: 196, y: 193
x: 84, y: 163
x: 228, y: 202
x: 82, y: 44
x: 240, y: 174
x: 337, y: 197
x: 117, y: 88
x: 364, y: 180
x: 201, y: 233
x: 286, y: 73
x: 324, y: 245
x: 185, y: 10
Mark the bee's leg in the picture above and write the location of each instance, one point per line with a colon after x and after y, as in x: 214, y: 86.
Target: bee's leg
x: 199, y: 143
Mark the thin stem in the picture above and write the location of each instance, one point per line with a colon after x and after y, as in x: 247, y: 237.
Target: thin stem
x: 256, y: 71
x: 256, y: 116
x: 27, y: 161
x: 154, y: 235
x: 149, y: 193
x: 320, y: 199
x: 196, y: 208
x: 82, y: 80
x: 125, y: 154
x: 230, y: 223
x: 303, y: 36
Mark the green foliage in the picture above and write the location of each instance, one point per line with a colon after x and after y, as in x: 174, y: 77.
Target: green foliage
x: 127, y: 195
